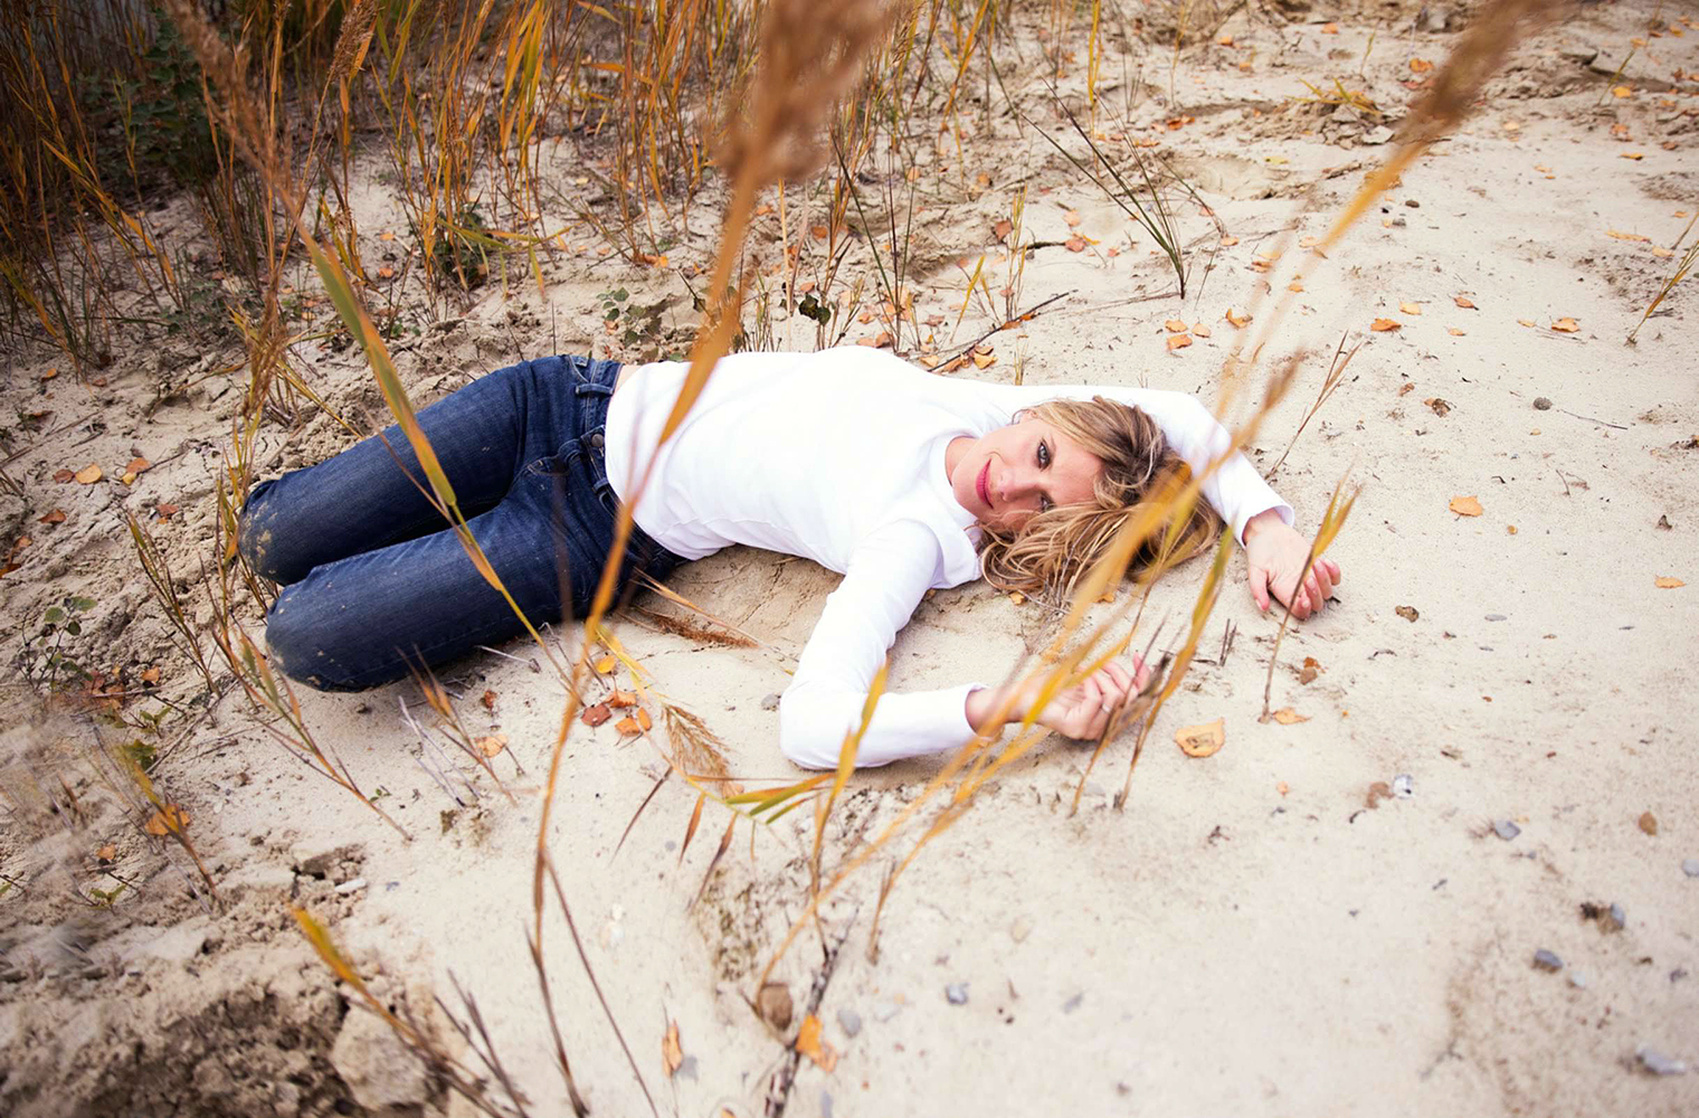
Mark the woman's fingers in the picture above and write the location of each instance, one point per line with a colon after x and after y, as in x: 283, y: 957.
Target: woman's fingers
x: 1313, y: 586
x: 1141, y: 673
x: 1259, y: 586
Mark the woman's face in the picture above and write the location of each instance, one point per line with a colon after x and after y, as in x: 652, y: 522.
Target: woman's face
x: 1003, y: 478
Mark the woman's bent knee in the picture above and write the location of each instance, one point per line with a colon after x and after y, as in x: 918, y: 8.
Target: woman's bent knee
x: 305, y: 648
x: 256, y: 537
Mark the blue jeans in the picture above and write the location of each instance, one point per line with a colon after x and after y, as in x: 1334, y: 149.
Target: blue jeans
x: 374, y: 579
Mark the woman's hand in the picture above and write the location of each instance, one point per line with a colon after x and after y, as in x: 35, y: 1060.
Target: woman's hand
x: 1081, y: 712
x: 1275, y: 553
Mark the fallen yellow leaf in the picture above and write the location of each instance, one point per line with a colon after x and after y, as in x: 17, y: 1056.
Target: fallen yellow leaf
x: 1286, y: 716
x: 1454, y: 332
x: 168, y: 819
x: 1621, y: 236
x: 1410, y: 308
x: 1466, y: 506
x: 1420, y: 65
x: 984, y: 360
x: 1229, y: 241
x: 1566, y: 326
x: 1524, y: 322
x: 1634, y: 155
x: 671, y: 1054
x: 89, y: 474
x: 809, y: 1043
x: 1175, y: 326
x: 1178, y: 341
x: 1237, y: 318
x: 1463, y: 301
x: 1200, y: 330
x: 1204, y: 740
x: 491, y: 745
x: 1382, y: 325
x: 1667, y: 583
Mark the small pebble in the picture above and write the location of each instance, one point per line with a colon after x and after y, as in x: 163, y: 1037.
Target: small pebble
x: 1690, y: 867
x: 956, y: 993
x: 1505, y: 829
x: 1545, y: 960
x: 1403, y: 786
x: 825, y: 1104
x: 1412, y: 203
x: 1021, y: 928
x: 1073, y: 1003
x: 1578, y: 980
x: 771, y: 702
x: 1657, y: 1063
x: 1616, y: 920
x: 849, y: 1021
x: 687, y: 1069
x: 884, y: 1011
x: 1541, y: 403
x: 354, y: 886
x: 1495, y: 617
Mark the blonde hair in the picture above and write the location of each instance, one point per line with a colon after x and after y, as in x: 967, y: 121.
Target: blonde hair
x: 1053, y: 548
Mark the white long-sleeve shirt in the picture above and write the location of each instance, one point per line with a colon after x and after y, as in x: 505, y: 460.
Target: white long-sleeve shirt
x: 838, y: 456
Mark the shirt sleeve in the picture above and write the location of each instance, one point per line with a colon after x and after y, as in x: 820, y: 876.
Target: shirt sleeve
x: 1236, y: 490
x: 888, y: 574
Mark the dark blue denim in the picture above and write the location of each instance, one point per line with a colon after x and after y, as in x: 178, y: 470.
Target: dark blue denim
x: 374, y: 579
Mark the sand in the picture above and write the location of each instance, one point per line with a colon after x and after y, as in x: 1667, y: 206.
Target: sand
x: 1257, y: 932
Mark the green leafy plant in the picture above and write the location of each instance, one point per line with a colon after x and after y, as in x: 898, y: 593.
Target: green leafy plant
x: 638, y: 326
x: 44, y: 659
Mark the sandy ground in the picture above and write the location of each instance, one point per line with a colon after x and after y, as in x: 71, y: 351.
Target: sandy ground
x: 1257, y: 932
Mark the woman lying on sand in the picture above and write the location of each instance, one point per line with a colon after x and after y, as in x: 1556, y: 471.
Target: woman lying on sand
x: 902, y: 480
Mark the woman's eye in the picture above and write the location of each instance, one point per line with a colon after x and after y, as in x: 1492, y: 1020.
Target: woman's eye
x: 1043, y: 455
x: 1045, y: 504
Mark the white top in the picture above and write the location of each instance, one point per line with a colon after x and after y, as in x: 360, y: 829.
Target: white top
x: 838, y: 456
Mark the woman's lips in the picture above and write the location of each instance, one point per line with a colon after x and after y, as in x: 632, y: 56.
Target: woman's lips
x: 983, y: 485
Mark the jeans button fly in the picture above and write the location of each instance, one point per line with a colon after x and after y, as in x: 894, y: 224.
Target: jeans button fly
x: 596, y: 440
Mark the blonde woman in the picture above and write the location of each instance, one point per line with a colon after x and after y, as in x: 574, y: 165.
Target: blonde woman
x: 902, y: 480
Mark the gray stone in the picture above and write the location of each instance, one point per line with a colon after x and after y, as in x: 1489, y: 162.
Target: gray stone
x: 1403, y: 786
x: 825, y: 1104
x: 956, y: 993
x: 1657, y: 1063
x: 1581, y: 54
x: 1379, y: 134
x: 1073, y: 1003
x: 849, y: 1021
x: 1614, y: 920
x: 378, y: 1068
x: 1495, y: 617
x: 1545, y: 960
x: 1690, y: 867
x: 1542, y: 403
x: 770, y: 702
x: 1505, y: 829
x: 886, y: 1010
x: 687, y: 1069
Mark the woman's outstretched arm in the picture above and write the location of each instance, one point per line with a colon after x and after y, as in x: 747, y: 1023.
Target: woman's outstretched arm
x: 888, y: 575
